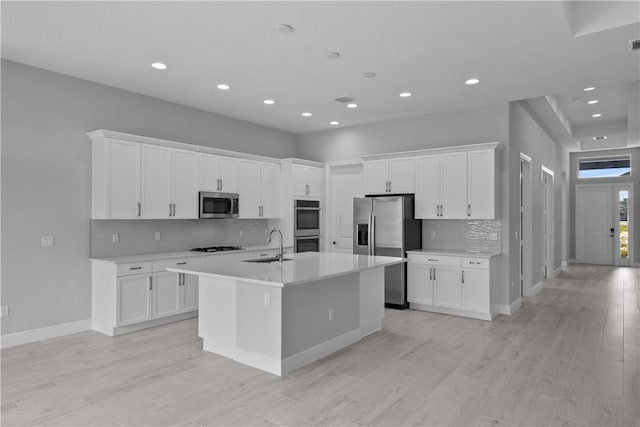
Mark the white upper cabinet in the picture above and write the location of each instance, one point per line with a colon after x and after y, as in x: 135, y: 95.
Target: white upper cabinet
x: 259, y: 189
x: 155, y: 200
x: 457, y: 185
x: 185, y: 181
x: 453, y: 199
x: 390, y: 176
x: 306, y: 181
x: 147, y: 181
x: 116, y: 188
x: 483, y: 184
x: 428, y: 177
x: 218, y: 173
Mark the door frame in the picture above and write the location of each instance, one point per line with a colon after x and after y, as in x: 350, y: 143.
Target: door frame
x: 616, y: 186
x: 526, y: 227
x: 328, y: 216
x: 548, y: 223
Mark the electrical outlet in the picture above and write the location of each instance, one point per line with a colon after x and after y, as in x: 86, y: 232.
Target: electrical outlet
x: 4, y: 311
x: 47, y: 241
x: 115, y: 238
x: 241, y: 233
x: 493, y: 236
x: 331, y: 314
x: 267, y: 299
x: 157, y: 235
x: 433, y: 234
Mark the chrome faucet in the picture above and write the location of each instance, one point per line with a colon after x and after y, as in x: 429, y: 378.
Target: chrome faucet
x: 280, y: 255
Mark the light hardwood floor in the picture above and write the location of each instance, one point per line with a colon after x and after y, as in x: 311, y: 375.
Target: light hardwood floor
x: 569, y: 356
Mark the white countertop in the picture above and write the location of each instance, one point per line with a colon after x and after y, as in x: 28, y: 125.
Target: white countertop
x: 303, y: 267
x: 181, y: 254
x: 454, y: 253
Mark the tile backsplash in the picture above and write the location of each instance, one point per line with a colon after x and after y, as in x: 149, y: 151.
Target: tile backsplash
x: 462, y: 235
x: 138, y: 236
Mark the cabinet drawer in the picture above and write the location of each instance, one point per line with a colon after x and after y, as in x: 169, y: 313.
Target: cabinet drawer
x: 432, y: 259
x: 134, y: 268
x: 482, y: 263
x: 181, y: 262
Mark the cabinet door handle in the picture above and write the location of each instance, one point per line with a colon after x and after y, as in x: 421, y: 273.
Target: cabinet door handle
x: 434, y: 273
x: 139, y: 208
x: 221, y: 184
x: 135, y: 268
x: 170, y: 210
x: 389, y: 186
x: 150, y: 283
x: 468, y: 210
x: 463, y: 276
x: 181, y: 263
x: 430, y: 273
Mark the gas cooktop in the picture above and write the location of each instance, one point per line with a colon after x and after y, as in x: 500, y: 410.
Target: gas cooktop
x: 218, y: 249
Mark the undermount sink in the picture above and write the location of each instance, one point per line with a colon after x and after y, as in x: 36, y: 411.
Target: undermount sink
x: 266, y: 259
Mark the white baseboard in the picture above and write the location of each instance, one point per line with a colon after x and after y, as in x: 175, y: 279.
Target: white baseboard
x: 33, y: 335
x: 536, y: 288
x: 557, y: 271
x: 319, y: 351
x: 563, y: 264
x: 509, y: 309
x: 260, y: 361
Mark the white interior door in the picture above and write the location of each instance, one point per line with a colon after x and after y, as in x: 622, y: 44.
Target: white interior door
x: 595, y: 228
x: 345, y: 183
x: 548, y: 238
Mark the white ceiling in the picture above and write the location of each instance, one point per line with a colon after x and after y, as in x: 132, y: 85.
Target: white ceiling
x: 518, y: 50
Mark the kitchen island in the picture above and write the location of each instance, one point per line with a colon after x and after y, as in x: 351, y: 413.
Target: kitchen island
x: 280, y: 316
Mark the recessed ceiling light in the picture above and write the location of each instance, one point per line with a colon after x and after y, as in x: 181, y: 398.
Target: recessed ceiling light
x: 369, y: 75
x: 223, y: 86
x: 306, y: 114
x: 334, y: 123
x: 405, y: 94
x: 159, y: 65
x: 593, y: 101
x: 596, y: 138
x: 269, y: 101
x: 472, y: 81
x: 352, y: 105
x: 332, y: 55
x: 285, y: 28
x: 589, y: 89
x: 596, y: 115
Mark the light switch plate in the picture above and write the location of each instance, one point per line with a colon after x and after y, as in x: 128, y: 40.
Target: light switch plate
x: 115, y: 238
x: 433, y: 234
x: 493, y: 236
x: 157, y: 235
x: 47, y: 241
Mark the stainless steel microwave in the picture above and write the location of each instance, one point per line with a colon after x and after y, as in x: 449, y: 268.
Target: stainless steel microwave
x: 218, y: 205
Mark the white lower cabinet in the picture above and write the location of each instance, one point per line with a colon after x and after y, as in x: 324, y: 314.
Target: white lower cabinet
x: 132, y: 296
x: 134, y: 299
x: 449, y: 284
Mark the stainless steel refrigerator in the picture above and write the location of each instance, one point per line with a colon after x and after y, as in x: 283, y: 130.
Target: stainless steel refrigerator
x: 385, y: 225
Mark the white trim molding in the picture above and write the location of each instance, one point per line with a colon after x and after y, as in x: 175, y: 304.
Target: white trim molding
x: 564, y: 264
x: 536, y: 288
x: 319, y: 351
x: 525, y: 158
x: 509, y: 309
x: 33, y: 335
x: 557, y: 271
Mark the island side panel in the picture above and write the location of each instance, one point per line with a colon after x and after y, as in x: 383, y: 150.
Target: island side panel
x: 319, y: 318
x: 217, y: 315
x: 371, y: 300
x: 259, y: 326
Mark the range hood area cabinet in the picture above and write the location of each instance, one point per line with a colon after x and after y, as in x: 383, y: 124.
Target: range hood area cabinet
x: 217, y: 173
x: 147, y: 181
x: 389, y: 176
x: 458, y: 185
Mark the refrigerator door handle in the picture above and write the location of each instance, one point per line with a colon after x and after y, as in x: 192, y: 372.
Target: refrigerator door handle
x: 372, y: 234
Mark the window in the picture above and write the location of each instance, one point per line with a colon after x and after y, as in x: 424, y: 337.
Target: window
x: 605, y: 167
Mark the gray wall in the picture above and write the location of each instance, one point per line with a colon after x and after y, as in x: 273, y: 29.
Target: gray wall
x: 46, y: 179
x: 526, y: 136
x: 469, y: 126
x: 634, y: 178
x: 461, y: 127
